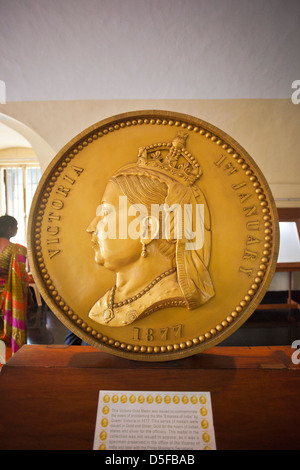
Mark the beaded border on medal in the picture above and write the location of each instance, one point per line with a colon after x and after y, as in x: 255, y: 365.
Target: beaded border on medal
x: 94, y: 135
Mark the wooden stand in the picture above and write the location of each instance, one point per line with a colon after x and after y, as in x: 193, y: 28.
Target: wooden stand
x: 48, y: 395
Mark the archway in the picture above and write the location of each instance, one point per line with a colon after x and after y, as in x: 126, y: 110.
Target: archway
x: 23, y: 157
x: 42, y: 149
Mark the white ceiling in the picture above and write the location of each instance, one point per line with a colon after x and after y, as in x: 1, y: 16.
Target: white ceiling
x: 149, y: 49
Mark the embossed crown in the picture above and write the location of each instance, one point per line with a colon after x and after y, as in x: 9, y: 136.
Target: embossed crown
x: 172, y: 158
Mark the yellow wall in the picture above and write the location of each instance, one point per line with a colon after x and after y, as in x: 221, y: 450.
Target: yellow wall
x: 268, y: 129
x: 17, y: 155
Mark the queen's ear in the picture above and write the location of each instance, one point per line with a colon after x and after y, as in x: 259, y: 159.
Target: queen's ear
x: 149, y: 229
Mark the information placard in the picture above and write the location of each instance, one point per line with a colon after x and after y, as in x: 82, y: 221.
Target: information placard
x: 135, y: 420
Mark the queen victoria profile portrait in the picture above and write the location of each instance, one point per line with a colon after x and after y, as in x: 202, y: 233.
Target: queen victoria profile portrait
x: 160, y: 257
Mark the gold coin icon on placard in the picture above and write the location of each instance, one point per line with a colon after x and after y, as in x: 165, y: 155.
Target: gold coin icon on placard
x: 149, y: 399
x: 158, y: 399
x: 167, y: 399
x: 103, y: 435
x: 106, y: 398
x: 153, y: 235
x: 204, y: 423
x: 176, y: 399
x: 105, y: 410
x: 194, y: 400
x: 206, y: 437
x: 132, y: 399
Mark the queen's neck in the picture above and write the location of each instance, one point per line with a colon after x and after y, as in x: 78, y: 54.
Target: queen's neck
x: 134, y: 278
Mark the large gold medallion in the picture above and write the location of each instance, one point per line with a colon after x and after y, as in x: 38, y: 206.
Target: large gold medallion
x: 153, y: 235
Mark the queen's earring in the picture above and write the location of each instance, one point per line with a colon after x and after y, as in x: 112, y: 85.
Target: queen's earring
x: 144, y: 250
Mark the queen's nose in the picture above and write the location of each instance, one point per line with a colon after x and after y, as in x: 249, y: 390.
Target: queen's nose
x: 92, y: 227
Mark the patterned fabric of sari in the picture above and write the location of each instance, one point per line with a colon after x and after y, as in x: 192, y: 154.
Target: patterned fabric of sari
x: 14, y: 294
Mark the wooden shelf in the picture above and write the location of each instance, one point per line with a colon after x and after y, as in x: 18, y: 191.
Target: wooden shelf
x: 49, y: 394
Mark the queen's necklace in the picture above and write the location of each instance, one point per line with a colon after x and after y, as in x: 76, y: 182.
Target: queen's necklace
x: 108, y: 314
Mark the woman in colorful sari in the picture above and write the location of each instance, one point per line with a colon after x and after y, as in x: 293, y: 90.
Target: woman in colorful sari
x: 13, y: 285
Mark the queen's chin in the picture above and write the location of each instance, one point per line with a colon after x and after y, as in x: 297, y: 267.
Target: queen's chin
x: 99, y: 258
